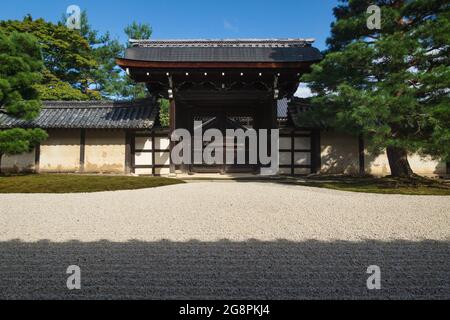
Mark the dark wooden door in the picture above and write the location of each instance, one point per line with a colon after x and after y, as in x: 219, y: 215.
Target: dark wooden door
x: 222, y: 121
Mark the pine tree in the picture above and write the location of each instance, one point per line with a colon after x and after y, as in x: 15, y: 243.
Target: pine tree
x: 391, y: 84
x: 20, y: 66
x: 129, y: 88
x: 67, y: 56
x: 107, y: 78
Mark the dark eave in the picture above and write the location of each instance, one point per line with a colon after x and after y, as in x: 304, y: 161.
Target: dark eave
x: 128, y: 63
x: 224, y: 55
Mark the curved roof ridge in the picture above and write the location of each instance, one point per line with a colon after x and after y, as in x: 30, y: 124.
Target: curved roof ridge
x: 275, y: 42
x: 223, y: 39
x: 49, y: 104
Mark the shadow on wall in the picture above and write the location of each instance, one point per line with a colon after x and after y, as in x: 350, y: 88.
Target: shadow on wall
x: 442, y: 169
x: 339, y: 160
x: 24, y: 163
x: 340, y: 155
x: 378, y: 165
x: 225, y: 270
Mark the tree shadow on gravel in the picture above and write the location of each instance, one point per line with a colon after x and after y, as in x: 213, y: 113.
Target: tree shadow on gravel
x: 225, y: 270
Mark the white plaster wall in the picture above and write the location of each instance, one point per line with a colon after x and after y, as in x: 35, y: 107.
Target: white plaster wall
x: 61, y: 151
x: 285, y: 143
x: 162, y: 143
x: 146, y: 171
x: 425, y: 166
x: 285, y: 158
x: 162, y: 158
x: 143, y: 143
x: 302, y: 143
x: 339, y: 153
x: 18, y: 163
x: 104, y: 151
x: 143, y: 159
x: 162, y: 171
x: 158, y: 171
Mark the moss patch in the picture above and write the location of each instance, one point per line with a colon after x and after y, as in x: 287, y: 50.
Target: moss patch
x: 59, y: 183
x: 386, y: 185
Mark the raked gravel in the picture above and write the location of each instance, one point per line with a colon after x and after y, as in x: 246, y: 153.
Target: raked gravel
x: 224, y: 240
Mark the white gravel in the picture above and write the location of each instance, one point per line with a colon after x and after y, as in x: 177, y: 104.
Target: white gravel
x: 209, y: 211
x: 224, y: 240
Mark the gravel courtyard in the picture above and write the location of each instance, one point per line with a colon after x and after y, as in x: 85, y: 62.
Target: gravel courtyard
x: 224, y: 240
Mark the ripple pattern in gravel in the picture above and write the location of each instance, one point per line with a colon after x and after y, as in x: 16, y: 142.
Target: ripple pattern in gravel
x: 224, y: 241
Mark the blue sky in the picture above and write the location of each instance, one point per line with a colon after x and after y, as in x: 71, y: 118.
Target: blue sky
x: 195, y: 18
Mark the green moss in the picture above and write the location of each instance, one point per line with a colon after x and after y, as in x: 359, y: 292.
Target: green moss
x: 387, y: 185
x: 59, y: 183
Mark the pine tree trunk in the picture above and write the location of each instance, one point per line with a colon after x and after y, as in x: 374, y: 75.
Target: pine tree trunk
x: 1, y: 156
x: 398, y: 162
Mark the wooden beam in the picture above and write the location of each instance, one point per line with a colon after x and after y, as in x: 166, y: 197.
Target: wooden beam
x: 128, y: 63
x: 82, y: 149
x: 316, y: 159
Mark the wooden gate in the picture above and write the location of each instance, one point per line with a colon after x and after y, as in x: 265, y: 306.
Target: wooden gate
x: 222, y: 123
x: 299, y: 151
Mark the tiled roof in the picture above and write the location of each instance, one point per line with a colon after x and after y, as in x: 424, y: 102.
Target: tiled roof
x: 298, y: 108
x: 277, y: 50
x: 283, y: 108
x: 88, y: 115
x: 111, y: 115
x: 240, y: 43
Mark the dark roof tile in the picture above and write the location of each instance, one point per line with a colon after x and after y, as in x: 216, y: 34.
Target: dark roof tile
x: 88, y: 115
x: 283, y: 108
x: 252, y: 50
x: 237, y: 43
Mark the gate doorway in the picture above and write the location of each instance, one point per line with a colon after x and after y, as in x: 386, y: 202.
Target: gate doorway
x: 223, y: 121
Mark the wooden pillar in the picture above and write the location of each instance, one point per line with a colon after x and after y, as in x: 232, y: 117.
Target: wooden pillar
x: 190, y: 118
x: 316, y: 159
x: 128, y: 153
x: 173, y: 124
x: 448, y: 167
x: 270, y: 122
x: 362, y: 162
x: 153, y: 153
x: 191, y: 166
x: 222, y: 118
x: 273, y: 121
x: 293, y: 153
x: 183, y: 121
x: 266, y: 117
x: 82, y: 149
x: 37, y: 158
